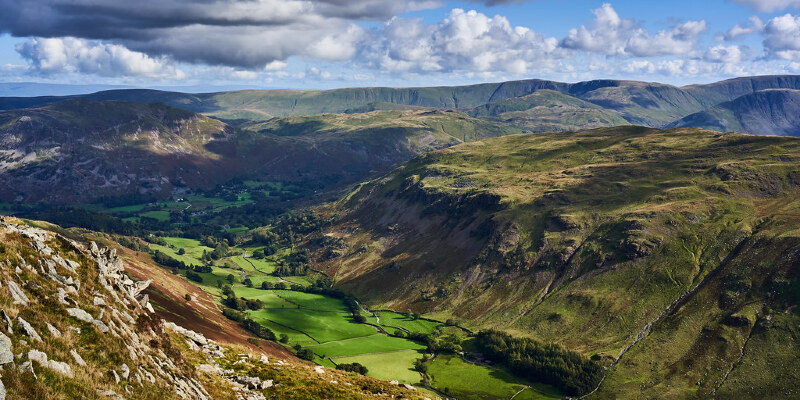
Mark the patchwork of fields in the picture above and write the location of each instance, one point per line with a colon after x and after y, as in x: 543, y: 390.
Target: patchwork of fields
x: 325, y: 325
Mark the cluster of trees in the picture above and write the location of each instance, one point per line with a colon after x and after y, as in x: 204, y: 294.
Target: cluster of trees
x: 192, y: 271
x: 548, y: 363
x: 450, y: 343
x: 303, y: 354
x: 353, y: 367
x: 296, y: 263
x: 76, y: 217
x: 248, y: 324
x: 193, y: 276
x: 169, y: 262
x: 239, y: 303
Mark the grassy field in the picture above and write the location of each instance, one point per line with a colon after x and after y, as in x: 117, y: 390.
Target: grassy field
x: 377, y: 343
x: 451, y: 375
x: 313, y: 301
x: 396, y: 365
x: 390, y: 319
x: 159, y: 215
x: 323, y: 326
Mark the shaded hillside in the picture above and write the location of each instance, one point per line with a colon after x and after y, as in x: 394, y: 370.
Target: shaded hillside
x: 657, y: 252
x: 84, y: 149
x: 90, y: 150
x: 767, y: 112
x: 75, y: 326
x: 549, y: 111
x: 639, y: 103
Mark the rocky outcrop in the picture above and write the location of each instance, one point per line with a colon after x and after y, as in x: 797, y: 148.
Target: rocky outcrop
x: 61, y: 368
x: 114, y: 305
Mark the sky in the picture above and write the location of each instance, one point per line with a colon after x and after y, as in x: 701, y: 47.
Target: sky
x: 323, y: 44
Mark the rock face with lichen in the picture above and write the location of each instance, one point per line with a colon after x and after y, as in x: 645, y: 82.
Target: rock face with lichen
x: 58, y: 328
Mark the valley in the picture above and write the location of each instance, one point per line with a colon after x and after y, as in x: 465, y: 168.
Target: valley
x: 523, y: 240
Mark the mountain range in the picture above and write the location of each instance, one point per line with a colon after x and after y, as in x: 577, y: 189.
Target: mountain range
x: 109, y: 144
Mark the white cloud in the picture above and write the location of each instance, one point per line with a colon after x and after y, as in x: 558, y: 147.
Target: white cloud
x: 756, y: 25
x: 466, y: 41
x: 316, y: 73
x: 276, y: 66
x: 782, y: 37
x: 725, y: 54
x: 770, y: 5
x: 611, y: 35
x: 67, y: 55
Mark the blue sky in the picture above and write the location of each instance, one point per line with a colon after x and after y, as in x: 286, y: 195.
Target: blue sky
x: 332, y: 43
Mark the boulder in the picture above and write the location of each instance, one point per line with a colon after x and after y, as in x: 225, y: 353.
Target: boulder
x: 77, y: 357
x: 6, y: 356
x: 80, y: 314
x: 55, y: 366
x: 102, y: 327
x: 54, y: 332
x: 17, y: 294
x: 196, y: 337
x: 28, y: 329
x: 125, y: 371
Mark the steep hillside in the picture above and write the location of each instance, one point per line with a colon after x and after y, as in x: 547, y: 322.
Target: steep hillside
x: 87, y: 148
x: 658, y: 252
x: 640, y: 103
x: 549, y: 111
x: 767, y: 112
x: 75, y: 326
x: 90, y: 150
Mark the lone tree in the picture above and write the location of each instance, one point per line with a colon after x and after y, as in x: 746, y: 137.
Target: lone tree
x: 187, y: 297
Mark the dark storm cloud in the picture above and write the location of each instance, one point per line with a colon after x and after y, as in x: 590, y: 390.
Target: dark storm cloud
x: 241, y: 33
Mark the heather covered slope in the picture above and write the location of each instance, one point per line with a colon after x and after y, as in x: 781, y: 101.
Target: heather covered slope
x: 657, y: 252
x: 767, y: 112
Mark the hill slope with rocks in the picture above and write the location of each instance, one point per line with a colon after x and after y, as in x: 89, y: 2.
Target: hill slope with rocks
x: 74, y: 325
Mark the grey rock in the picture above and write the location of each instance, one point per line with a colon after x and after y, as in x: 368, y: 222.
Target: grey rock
x: 56, y: 366
x: 54, y: 332
x: 100, y: 326
x: 17, y: 293
x: 80, y: 314
x: 77, y: 357
x: 126, y: 372
x: 6, y: 355
x: 28, y: 329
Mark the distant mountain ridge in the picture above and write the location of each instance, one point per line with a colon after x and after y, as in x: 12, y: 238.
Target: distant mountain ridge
x: 639, y: 103
x: 770, y: 111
